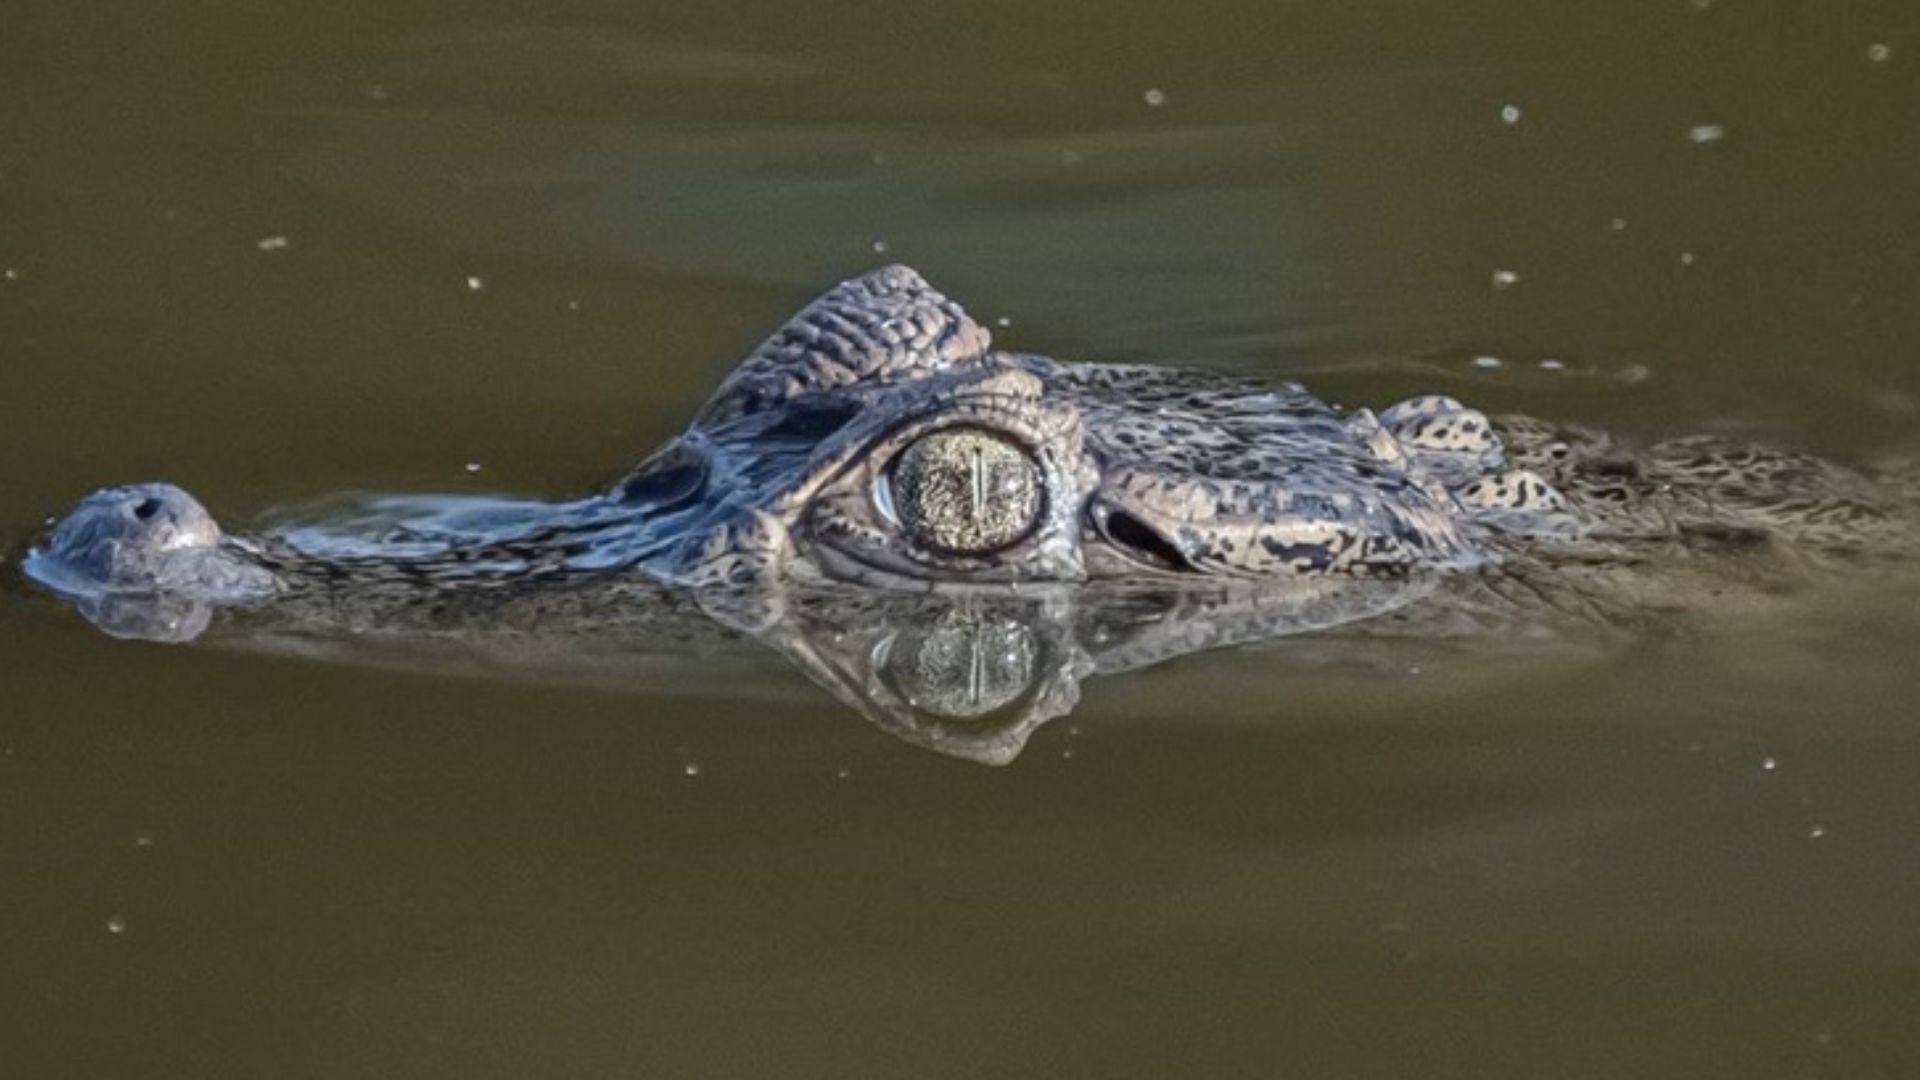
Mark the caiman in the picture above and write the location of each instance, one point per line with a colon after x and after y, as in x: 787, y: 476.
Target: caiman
x: 940, y: 530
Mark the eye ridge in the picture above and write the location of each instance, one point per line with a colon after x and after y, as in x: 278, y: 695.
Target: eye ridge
x: 965, y: 490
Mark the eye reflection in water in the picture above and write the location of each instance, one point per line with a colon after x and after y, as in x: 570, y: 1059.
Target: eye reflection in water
x: 966, y: 666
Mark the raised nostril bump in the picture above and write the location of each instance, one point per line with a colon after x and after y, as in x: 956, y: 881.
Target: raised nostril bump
x: 147, y: 507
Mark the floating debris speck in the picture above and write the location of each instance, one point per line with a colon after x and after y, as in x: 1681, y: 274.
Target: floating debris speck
x: 1702, y: 134
x: 116, y: 925
x: 1509, y: 114
x: 1618, y: 224
x: 1155, y: 98
x: 1686, y: 258
x: 1550, y: 364
x: 879, y: 247
x: 1488, y: 362
x: 271, y: 243
x: 475, y: 283
x: 1816, y: 832
x: 1769, y: 764
x: 1505, y: 279
x: 692, y: 768
x: 1879, y: 52
x: 473, y: 466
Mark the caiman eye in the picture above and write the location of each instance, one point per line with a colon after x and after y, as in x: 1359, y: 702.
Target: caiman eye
x: 965, y: 491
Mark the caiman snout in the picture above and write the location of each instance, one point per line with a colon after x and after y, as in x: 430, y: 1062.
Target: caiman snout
x: 125, y: 540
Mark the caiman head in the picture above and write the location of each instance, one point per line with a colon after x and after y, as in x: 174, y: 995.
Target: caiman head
x: 877, y: 438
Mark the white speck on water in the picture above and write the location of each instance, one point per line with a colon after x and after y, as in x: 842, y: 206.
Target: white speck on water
x: 473, y: 466
x: 1509, y: 114
x: 377, y: 92
x: 1550, y: 364
x: 1066, y: 755
x: 1879, y: 52
x: 1769, y: 764
x: 1816, y: 832
x: 1003, y: 322
x: 1701, y: 134
x: 143, y: 840
x: 692, y: 768
x: 1488, y: 362
x: 1155, y: 98
x: 843, y: 774
x: 1686, y: 258
x: 1699, y: 5
x: 1505, y: 279
x: 879, y: 247
x: 271, y: 243
x: 10, y: 274
x: 573, y: 305
x: 1618, y: 224
x: 116, y: 925
x: 1415, y: 670
x: 475, y: 283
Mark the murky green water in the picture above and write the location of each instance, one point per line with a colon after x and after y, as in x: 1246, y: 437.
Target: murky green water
x: 271, y: 254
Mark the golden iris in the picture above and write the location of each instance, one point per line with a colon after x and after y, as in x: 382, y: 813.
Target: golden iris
x: 966, y: 491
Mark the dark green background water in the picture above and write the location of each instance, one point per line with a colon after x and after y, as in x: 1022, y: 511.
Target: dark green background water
x: 1685, y: 859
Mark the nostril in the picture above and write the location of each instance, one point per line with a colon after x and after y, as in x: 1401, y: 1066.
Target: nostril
x: 146, y: 508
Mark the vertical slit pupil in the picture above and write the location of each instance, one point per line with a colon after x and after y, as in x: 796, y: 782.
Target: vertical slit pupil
x: 979, y: 468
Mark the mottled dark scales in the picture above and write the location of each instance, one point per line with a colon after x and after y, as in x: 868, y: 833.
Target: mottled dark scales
x: 1713, y: 490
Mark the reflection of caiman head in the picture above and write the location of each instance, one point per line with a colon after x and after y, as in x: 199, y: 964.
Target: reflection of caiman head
x: 973, y: 674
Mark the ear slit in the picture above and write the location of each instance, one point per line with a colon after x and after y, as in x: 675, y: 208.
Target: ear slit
x: 1143, y: 541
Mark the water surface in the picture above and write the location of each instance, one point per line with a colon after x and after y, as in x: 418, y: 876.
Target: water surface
x: 275, y: 253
